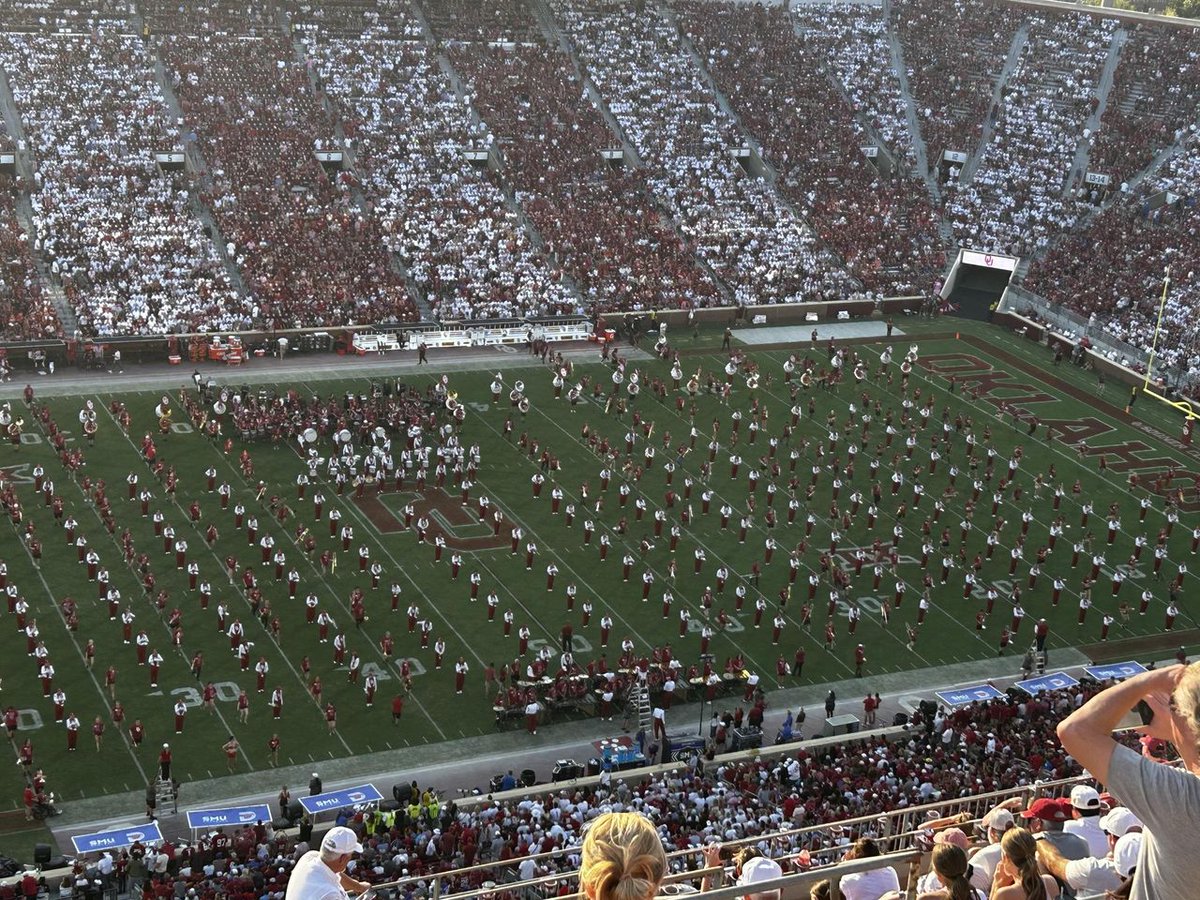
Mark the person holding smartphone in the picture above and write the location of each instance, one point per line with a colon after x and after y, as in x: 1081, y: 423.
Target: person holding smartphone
x: 1166, y: 798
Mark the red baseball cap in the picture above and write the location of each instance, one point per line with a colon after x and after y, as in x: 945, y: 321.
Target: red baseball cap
x: 1049, y: 810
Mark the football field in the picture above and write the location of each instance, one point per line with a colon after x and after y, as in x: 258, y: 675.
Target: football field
x: 795, y: 437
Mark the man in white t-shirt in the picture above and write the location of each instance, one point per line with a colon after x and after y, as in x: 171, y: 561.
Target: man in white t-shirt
x: 1094, y: 875
x: 984, y: 862
x: 873, y: 883
x: 321, y: 874
x: 1085, y: 807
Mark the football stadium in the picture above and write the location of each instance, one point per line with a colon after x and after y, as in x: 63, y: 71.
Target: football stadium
x: 514, y: 449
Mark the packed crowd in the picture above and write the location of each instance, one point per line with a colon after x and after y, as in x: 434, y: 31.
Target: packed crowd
x: 614, y: 236
x: 854, y: 39
x: 309, y: 254
x: 954, y: 53
x: 46, y: 16
x: 508, y: 21
x: 118, y: 232
x: 951, y: 755
x: 1017, y: 202
x: 230, y: 16
x: 601, y: 224
x: 1139, y: 237
x: 882, y: 226
x: 444, y: 214
x: 1152, y: 103
x: 658, y: 95
x: 25, y: 311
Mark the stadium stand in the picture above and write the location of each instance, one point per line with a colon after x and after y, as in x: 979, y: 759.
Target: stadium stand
x: 24, y: 309
x: 442, y: 213
x: 1152, y: 104
x: 854, y: 40
x: 1136, y: 236
x: 737, y: 223
x: 954, y: 53
x: 310, y: 255
x: 599, y: 222
x: 250, y: 17
x: 814, y: 803
x: 94, y: 116
x: 774, y: 82
x: 544, y: 227
x: 509, y: 21
x: 48, y: 16
x: 1016, y: 201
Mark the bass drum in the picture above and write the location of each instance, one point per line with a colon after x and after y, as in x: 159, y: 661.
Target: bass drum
x: 310, y: 435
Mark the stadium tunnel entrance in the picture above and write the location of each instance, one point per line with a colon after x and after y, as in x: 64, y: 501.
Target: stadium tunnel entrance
x: 976, y: 283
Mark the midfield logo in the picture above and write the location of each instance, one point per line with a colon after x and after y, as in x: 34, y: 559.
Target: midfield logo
x: 18, y: 474
x: 447, y: 516
x: 845, y: 558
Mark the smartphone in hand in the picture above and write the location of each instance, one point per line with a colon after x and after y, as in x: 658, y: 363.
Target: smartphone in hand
x: 1144, y: 712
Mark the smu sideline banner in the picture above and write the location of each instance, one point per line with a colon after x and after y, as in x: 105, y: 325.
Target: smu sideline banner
x: 116, y: 838
x: 1055, y: 681
x: 335, y: 800
x: 1115, y: 670
x: 972, y: 694
x: 231, y: 816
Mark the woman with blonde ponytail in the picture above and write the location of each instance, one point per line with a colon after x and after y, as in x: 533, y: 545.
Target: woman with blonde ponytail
x: 1018, y: 876
x: 951, y: 868
x: 622, y: 858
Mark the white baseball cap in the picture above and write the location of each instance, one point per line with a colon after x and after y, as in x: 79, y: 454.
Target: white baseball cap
x: 998, y: 819
x: 1084, y: 796
x: 1125, y: 854
x: 1118, y: 820
x: 341, y: 840
x: 760, y: 869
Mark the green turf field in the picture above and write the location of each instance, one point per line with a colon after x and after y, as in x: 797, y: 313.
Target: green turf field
x: 433, y: 712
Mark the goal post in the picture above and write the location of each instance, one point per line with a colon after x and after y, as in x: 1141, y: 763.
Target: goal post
x: 1148, y: 386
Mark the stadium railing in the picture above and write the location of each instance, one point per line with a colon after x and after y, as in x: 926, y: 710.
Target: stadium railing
x: 1071, y: 324
x: 795, y: 886
x: 1114, y: 357
x: 896, y: 832
x: 155, y: 348
x: 779, y: 313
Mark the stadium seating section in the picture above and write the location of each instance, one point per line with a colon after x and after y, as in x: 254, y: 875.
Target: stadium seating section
x: 534, y: 157
x: 816, y: 803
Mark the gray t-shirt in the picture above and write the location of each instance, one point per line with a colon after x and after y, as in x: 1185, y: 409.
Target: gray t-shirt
x: 1167, y: 800
x: 1071, y: 846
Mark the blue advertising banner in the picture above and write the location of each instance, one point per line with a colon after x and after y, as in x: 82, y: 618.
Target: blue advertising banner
x: 971, y: 694
x: 233, y: 816
x: 117, y: 838
x: 335, y: 800
x: 1053, y: 681
x: 1114, y: 670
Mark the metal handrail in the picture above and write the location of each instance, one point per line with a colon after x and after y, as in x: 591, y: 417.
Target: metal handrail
x: 892, y: 830
x: 805, y: 879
